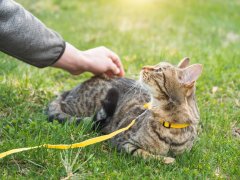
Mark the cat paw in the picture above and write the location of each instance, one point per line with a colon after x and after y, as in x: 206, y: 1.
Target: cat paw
x: 236, y: 132
x: 168, y: 160
x: 165, y: 160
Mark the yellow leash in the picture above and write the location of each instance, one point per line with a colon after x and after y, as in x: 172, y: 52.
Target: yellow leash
x: 70, y: 146
x: 92, y: 140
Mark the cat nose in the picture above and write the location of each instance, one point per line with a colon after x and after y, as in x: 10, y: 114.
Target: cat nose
x: 147, y: 68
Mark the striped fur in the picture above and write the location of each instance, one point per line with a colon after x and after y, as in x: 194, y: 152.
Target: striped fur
x: 171, y: 92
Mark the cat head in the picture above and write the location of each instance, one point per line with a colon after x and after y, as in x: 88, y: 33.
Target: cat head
x: 172, y: 90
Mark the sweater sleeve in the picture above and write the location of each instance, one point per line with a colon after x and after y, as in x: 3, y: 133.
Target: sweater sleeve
x: 26, y: 38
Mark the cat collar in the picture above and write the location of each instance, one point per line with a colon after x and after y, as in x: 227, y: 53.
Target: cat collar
x: 167, y: 124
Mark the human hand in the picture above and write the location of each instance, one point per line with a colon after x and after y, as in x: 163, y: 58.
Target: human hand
x: 102, y: 60
x: 98, y: 60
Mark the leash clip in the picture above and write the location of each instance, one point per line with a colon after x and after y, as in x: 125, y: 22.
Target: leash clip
x: 167, y: 124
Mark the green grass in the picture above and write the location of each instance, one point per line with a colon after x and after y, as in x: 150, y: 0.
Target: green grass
x: 141, y: 32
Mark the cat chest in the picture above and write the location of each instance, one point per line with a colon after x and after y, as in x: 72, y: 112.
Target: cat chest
x: 163, y: 141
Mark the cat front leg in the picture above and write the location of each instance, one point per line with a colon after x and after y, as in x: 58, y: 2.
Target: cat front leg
x: 146, y: 155
x: 139, y: 152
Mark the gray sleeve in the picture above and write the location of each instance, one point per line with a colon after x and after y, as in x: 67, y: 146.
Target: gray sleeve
x: 25, y: 37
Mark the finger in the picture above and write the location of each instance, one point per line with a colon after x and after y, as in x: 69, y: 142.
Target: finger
x: 113, y: 67
x: 109, y: 73
x: 118, y: 63
x: 116, y: 60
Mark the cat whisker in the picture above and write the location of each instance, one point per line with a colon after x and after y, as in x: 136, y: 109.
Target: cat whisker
x: 134, y: 86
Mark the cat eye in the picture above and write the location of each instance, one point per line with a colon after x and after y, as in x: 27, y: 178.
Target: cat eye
x: 157, y: 69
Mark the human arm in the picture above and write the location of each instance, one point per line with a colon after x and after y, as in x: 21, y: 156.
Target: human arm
x: 25, y: 37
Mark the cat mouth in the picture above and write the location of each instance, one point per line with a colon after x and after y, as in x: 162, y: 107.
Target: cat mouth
x: 143, y: 78
x: 145, y: 82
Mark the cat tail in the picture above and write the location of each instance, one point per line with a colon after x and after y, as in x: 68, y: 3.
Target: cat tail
x: 109, y: 104
x: 54, y: 111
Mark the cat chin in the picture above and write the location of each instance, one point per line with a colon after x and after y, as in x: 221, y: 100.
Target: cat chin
x: 147, y: 87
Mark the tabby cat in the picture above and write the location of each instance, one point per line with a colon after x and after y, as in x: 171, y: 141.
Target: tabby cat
x: 170, y: 90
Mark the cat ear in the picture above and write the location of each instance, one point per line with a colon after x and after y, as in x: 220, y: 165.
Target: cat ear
x: 183, y: 63
x: 190, y: 74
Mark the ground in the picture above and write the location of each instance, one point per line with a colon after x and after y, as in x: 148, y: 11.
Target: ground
x: 141, y: 32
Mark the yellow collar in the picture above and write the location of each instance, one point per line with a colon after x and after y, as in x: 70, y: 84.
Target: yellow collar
x: 168, y: 124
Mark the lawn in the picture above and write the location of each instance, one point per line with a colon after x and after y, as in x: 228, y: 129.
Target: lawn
x: 142, y: 32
